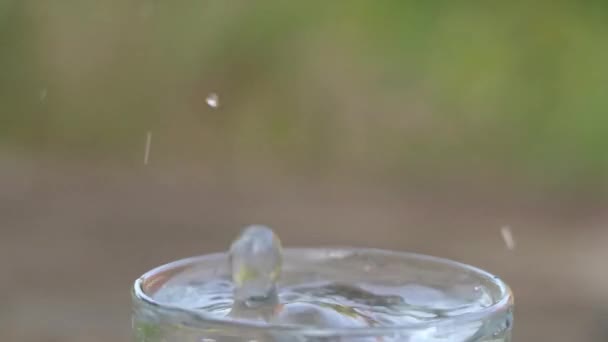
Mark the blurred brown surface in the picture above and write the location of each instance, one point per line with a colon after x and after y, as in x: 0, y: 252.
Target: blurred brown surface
x: 75, y: 237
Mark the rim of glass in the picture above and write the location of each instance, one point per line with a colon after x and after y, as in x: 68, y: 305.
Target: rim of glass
x: 503, y: 302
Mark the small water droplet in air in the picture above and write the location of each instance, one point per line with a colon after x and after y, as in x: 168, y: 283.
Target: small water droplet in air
x: 43, y: 94
x: 477, y: 288
x: 147, y: 149
x: 507, y: 236
x: 213, y: 100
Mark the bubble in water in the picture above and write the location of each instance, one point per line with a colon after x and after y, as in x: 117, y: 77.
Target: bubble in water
x: 213, y: 100
x: 255, y: 260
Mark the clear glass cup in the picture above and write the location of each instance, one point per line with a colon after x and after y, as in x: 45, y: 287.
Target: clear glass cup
x: 155, y: 321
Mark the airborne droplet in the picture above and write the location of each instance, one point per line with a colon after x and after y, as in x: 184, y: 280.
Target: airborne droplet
x: 147, y: 149
x: 507, y: 236
x: 213, y: 100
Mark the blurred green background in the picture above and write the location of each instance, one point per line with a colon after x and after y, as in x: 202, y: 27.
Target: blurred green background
x: 349, y: 114
x: 437, y: 89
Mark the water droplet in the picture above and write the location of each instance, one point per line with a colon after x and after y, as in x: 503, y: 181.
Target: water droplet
x: 147, y: 149
x: 255, y: 260
x: 477, y: 288
x: 213, y: 100
x: 507, y: 236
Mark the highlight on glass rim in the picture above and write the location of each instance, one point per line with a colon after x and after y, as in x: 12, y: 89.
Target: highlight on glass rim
x: 214, y: 171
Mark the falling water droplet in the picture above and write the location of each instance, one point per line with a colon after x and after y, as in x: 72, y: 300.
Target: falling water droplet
x: 213, y: 100
x: 147, y: 150
x: 507, y: 236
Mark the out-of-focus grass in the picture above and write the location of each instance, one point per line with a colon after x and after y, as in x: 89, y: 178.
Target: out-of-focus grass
x: 431, y: 88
